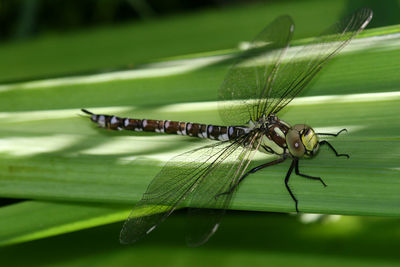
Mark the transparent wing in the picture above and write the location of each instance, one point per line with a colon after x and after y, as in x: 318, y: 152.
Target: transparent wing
x: 248, y: 83
x: 181, y: 176
x: 204, y: 219
x: 297, y: 72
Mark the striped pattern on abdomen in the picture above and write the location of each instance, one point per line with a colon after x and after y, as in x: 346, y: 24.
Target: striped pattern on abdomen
x: 222, y: 133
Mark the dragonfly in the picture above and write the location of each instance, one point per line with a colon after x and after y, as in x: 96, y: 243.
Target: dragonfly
x: 256, y: 89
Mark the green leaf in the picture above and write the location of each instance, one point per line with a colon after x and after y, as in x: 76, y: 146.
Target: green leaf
x: 244, y: 239
x: 49, y: 153
x: 31, y: 220
x: 129, y: 44
x: 57, y: 155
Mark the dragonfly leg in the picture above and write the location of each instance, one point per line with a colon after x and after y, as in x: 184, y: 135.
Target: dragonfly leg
x: 287, y: 183
x: 277, y: 161
x: 331, y: 134
x: 296, y: 169
x: 333, y: 149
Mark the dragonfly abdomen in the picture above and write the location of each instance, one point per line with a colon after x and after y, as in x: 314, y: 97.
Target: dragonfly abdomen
x: 214, y: 132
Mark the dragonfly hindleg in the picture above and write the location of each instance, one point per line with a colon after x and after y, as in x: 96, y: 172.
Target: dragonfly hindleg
x: 287, y: 183
x: 255, y: 169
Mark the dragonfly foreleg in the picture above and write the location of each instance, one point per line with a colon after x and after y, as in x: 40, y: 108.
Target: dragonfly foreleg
x: 331, y: 134
x: 333, y: 149
x: 255, y: 169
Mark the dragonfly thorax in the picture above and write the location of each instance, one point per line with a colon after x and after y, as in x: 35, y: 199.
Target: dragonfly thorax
x: 274, y: 134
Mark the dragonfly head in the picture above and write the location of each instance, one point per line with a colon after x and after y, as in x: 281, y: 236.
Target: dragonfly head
x: 302, y: 141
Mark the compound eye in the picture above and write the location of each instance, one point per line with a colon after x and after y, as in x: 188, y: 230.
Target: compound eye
x: 309, y: 139
x: 295, y: 146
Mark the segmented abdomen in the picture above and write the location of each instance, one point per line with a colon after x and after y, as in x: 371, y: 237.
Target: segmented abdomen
x: 214, y: 132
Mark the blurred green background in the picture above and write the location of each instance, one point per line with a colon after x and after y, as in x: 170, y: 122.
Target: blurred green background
x: 51, y: 185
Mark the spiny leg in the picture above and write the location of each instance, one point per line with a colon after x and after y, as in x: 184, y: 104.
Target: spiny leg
x: 331, y: 134
x: 255, y: 169
x: 333, y: 149
x: 296, y: 169
x: 287, y: 183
